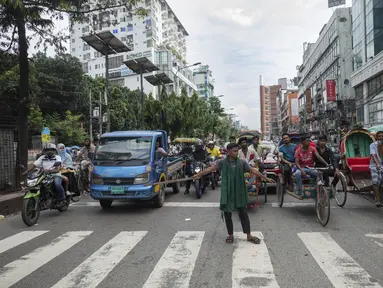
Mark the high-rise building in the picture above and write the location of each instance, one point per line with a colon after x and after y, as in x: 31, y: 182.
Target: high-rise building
x: 269, y: 116
x: 325, y: 76
x: 367, y: 56
x: 204, y: 81
x: 159, y: 36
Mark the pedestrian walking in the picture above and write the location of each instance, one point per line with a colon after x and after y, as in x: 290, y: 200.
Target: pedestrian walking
x: 234, y: 194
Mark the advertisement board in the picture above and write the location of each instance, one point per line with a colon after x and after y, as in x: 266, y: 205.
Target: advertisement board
x: 330, y: 90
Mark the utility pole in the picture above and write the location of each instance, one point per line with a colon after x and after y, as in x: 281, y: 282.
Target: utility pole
x: 100, y: 122
x: 90, y: 116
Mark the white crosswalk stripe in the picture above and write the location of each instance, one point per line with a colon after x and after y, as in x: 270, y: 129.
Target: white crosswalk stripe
x: 18, y: 239
x: 339, y: 267
x: 377, y: 236
x: 177, y: 263
x: 17, y: 270
x: 252, y: 264
x: 94, y: 269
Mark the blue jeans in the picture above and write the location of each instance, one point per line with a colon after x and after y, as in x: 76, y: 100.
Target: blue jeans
x: 59, y: 188
x: 298, y: 177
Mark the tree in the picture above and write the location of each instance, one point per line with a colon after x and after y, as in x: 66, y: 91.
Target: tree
x: 35, y: 120
x: 68, y: 130
x: 38, y: 17
x: 62, y: 83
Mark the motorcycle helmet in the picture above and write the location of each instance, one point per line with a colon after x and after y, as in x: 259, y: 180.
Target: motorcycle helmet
x: 50, y: 150
x: 198, y: 145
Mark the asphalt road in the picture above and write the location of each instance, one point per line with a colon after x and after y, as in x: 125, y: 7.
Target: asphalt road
x: 182, y: 245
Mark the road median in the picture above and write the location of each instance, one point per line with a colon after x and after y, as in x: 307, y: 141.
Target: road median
x: 11, y: 202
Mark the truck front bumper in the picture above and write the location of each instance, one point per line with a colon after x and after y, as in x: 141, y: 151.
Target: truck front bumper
x: 132, y: 192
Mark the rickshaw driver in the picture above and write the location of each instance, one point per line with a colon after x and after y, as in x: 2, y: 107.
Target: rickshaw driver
x: 376, y: 152
x: 305, y: 157
x: 286, y: 154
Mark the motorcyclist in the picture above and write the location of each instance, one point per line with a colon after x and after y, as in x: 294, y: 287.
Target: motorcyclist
x: 46, y: 162
x: 212, y: 150
x: 199, y: 154
x: 83, y: 156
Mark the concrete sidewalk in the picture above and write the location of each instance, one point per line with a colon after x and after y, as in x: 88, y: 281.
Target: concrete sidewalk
x: 11, y: 202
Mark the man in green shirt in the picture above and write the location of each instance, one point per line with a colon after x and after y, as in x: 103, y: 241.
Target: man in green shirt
x: 234, y: 194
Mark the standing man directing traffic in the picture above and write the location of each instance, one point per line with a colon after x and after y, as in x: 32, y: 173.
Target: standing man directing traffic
x: 234, y: 194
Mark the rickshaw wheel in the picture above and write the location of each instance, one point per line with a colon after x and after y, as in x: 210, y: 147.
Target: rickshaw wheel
x: 280, y: 192
x: 340, y: 196
x: 323, y: 205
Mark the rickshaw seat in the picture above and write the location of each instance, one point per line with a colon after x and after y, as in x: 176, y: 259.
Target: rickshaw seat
x: 359, y: 164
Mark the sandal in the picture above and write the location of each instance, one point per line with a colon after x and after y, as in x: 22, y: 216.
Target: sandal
x: 254, y: 240
x: 230, y: 239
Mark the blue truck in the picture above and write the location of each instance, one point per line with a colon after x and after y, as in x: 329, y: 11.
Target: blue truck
x: 126, y: 163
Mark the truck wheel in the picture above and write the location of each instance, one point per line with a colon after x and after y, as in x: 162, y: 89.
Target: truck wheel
x: 106, y: 204
x: 160, y: 198
x: 176, y: 188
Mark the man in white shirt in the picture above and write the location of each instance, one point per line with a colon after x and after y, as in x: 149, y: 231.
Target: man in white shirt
x: 46, y: 162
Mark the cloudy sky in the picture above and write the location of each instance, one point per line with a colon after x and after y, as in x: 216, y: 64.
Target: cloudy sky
x: 243, y: 39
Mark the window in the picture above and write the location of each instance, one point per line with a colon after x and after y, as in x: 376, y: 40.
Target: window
x: 129, y: 17
x: 85, y: 29
x: 115, y: 62
x: 86, y: 47
x: 130, y: 27
x: 359, y: 92
x: 122, y: 19
x: 115, y: 31
x: 123, y: 29
x: 149, y: 43
x: 73, y: 49
x: 73, y: 40
x: 85, y: 67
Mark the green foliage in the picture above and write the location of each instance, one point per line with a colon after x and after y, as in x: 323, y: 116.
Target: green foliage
x: 58, y: 85
x: 68, y: 130
x: 35, y: 119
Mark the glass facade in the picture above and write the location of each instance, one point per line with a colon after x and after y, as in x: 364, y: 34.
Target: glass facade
x: 378, y: 26
x: 357, y: 32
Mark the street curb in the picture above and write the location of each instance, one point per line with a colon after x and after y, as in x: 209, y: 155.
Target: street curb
x: 11, y: 205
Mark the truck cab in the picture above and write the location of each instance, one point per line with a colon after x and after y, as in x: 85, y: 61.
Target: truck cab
x: 127, y: 163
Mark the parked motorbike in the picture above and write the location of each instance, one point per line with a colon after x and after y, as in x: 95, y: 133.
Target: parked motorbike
x: 40, y: 195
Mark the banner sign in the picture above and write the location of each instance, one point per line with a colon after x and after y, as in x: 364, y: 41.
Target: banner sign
x: 334, y: 3
x: 330, y: 90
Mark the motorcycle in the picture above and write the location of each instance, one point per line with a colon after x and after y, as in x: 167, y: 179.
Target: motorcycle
x: 214, y: 177
x: 40, y: 195
x: 201, y: 184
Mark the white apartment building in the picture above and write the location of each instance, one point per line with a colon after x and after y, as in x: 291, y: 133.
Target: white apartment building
x: 204, y: 81
x: 159, y: 36
x: 367, y: 78
x: 327, y: 59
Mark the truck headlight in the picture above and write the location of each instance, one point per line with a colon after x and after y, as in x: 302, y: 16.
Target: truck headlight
x: 96, y: 179
x: 141, y: 179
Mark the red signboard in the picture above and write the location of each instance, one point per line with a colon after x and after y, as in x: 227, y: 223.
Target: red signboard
x: 331, y: 91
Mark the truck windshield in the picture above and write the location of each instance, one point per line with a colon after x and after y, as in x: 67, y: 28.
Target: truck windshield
x: 124, y: 151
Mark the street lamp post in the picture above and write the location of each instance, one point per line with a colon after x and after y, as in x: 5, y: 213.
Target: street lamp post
x: 179, y: 69
x: 107, y: 44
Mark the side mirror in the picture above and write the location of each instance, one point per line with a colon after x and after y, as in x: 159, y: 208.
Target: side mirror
x: 57, y: 164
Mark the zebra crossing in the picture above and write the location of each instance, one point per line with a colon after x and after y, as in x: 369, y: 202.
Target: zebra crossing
x: 250, y: 263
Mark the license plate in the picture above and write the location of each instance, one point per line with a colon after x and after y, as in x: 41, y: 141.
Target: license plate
x: 117, y: 190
